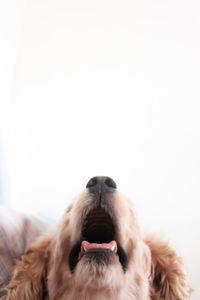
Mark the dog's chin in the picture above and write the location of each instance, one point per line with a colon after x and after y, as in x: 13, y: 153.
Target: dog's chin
x: 98, y: 270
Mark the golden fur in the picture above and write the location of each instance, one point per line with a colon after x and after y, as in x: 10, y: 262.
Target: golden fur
x: 154, y: 269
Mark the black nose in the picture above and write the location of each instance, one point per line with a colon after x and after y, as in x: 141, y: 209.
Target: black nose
x: 101, y: 184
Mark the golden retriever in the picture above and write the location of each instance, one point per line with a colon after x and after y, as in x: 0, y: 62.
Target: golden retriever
x: 97, y: 252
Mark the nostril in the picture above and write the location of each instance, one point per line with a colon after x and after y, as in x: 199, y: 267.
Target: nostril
x: 92, y: 182
x: 110, y: 183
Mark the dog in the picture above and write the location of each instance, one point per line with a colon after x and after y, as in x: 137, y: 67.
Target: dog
x: 97, y: 252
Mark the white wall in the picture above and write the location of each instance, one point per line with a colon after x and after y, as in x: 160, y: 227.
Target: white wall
x: 108, y: 88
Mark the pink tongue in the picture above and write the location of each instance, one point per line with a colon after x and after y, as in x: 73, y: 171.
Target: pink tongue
x: 85, y: 246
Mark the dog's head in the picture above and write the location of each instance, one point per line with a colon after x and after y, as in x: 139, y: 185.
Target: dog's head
x: 97, y: 253
x: 98, y: 244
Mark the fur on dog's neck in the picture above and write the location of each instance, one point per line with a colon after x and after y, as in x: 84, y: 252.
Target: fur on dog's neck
x: 133, y: 286
x: 128, y: 292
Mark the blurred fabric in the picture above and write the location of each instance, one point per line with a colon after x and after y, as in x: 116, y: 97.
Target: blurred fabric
x: 17, y: 231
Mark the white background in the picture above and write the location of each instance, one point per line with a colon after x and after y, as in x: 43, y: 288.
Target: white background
x: 104, y: 88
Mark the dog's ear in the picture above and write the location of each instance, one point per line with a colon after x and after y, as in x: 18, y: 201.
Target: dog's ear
x: 168, y: 278
x: 29, y: 275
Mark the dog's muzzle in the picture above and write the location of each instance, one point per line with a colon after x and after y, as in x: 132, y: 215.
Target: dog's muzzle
x: 99, y: 226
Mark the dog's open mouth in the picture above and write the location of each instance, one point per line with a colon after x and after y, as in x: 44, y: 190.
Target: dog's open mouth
x: 98, y: 240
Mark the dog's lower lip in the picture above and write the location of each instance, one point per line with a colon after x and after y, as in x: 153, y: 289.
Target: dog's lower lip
x: 85, y: 246
x: 96, y: 251
x: 76, y: 255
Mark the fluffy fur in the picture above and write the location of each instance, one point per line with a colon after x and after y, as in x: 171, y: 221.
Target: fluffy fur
x: 154, y: 270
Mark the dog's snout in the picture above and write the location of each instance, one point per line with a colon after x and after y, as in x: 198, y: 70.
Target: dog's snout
x: 101, y: 184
